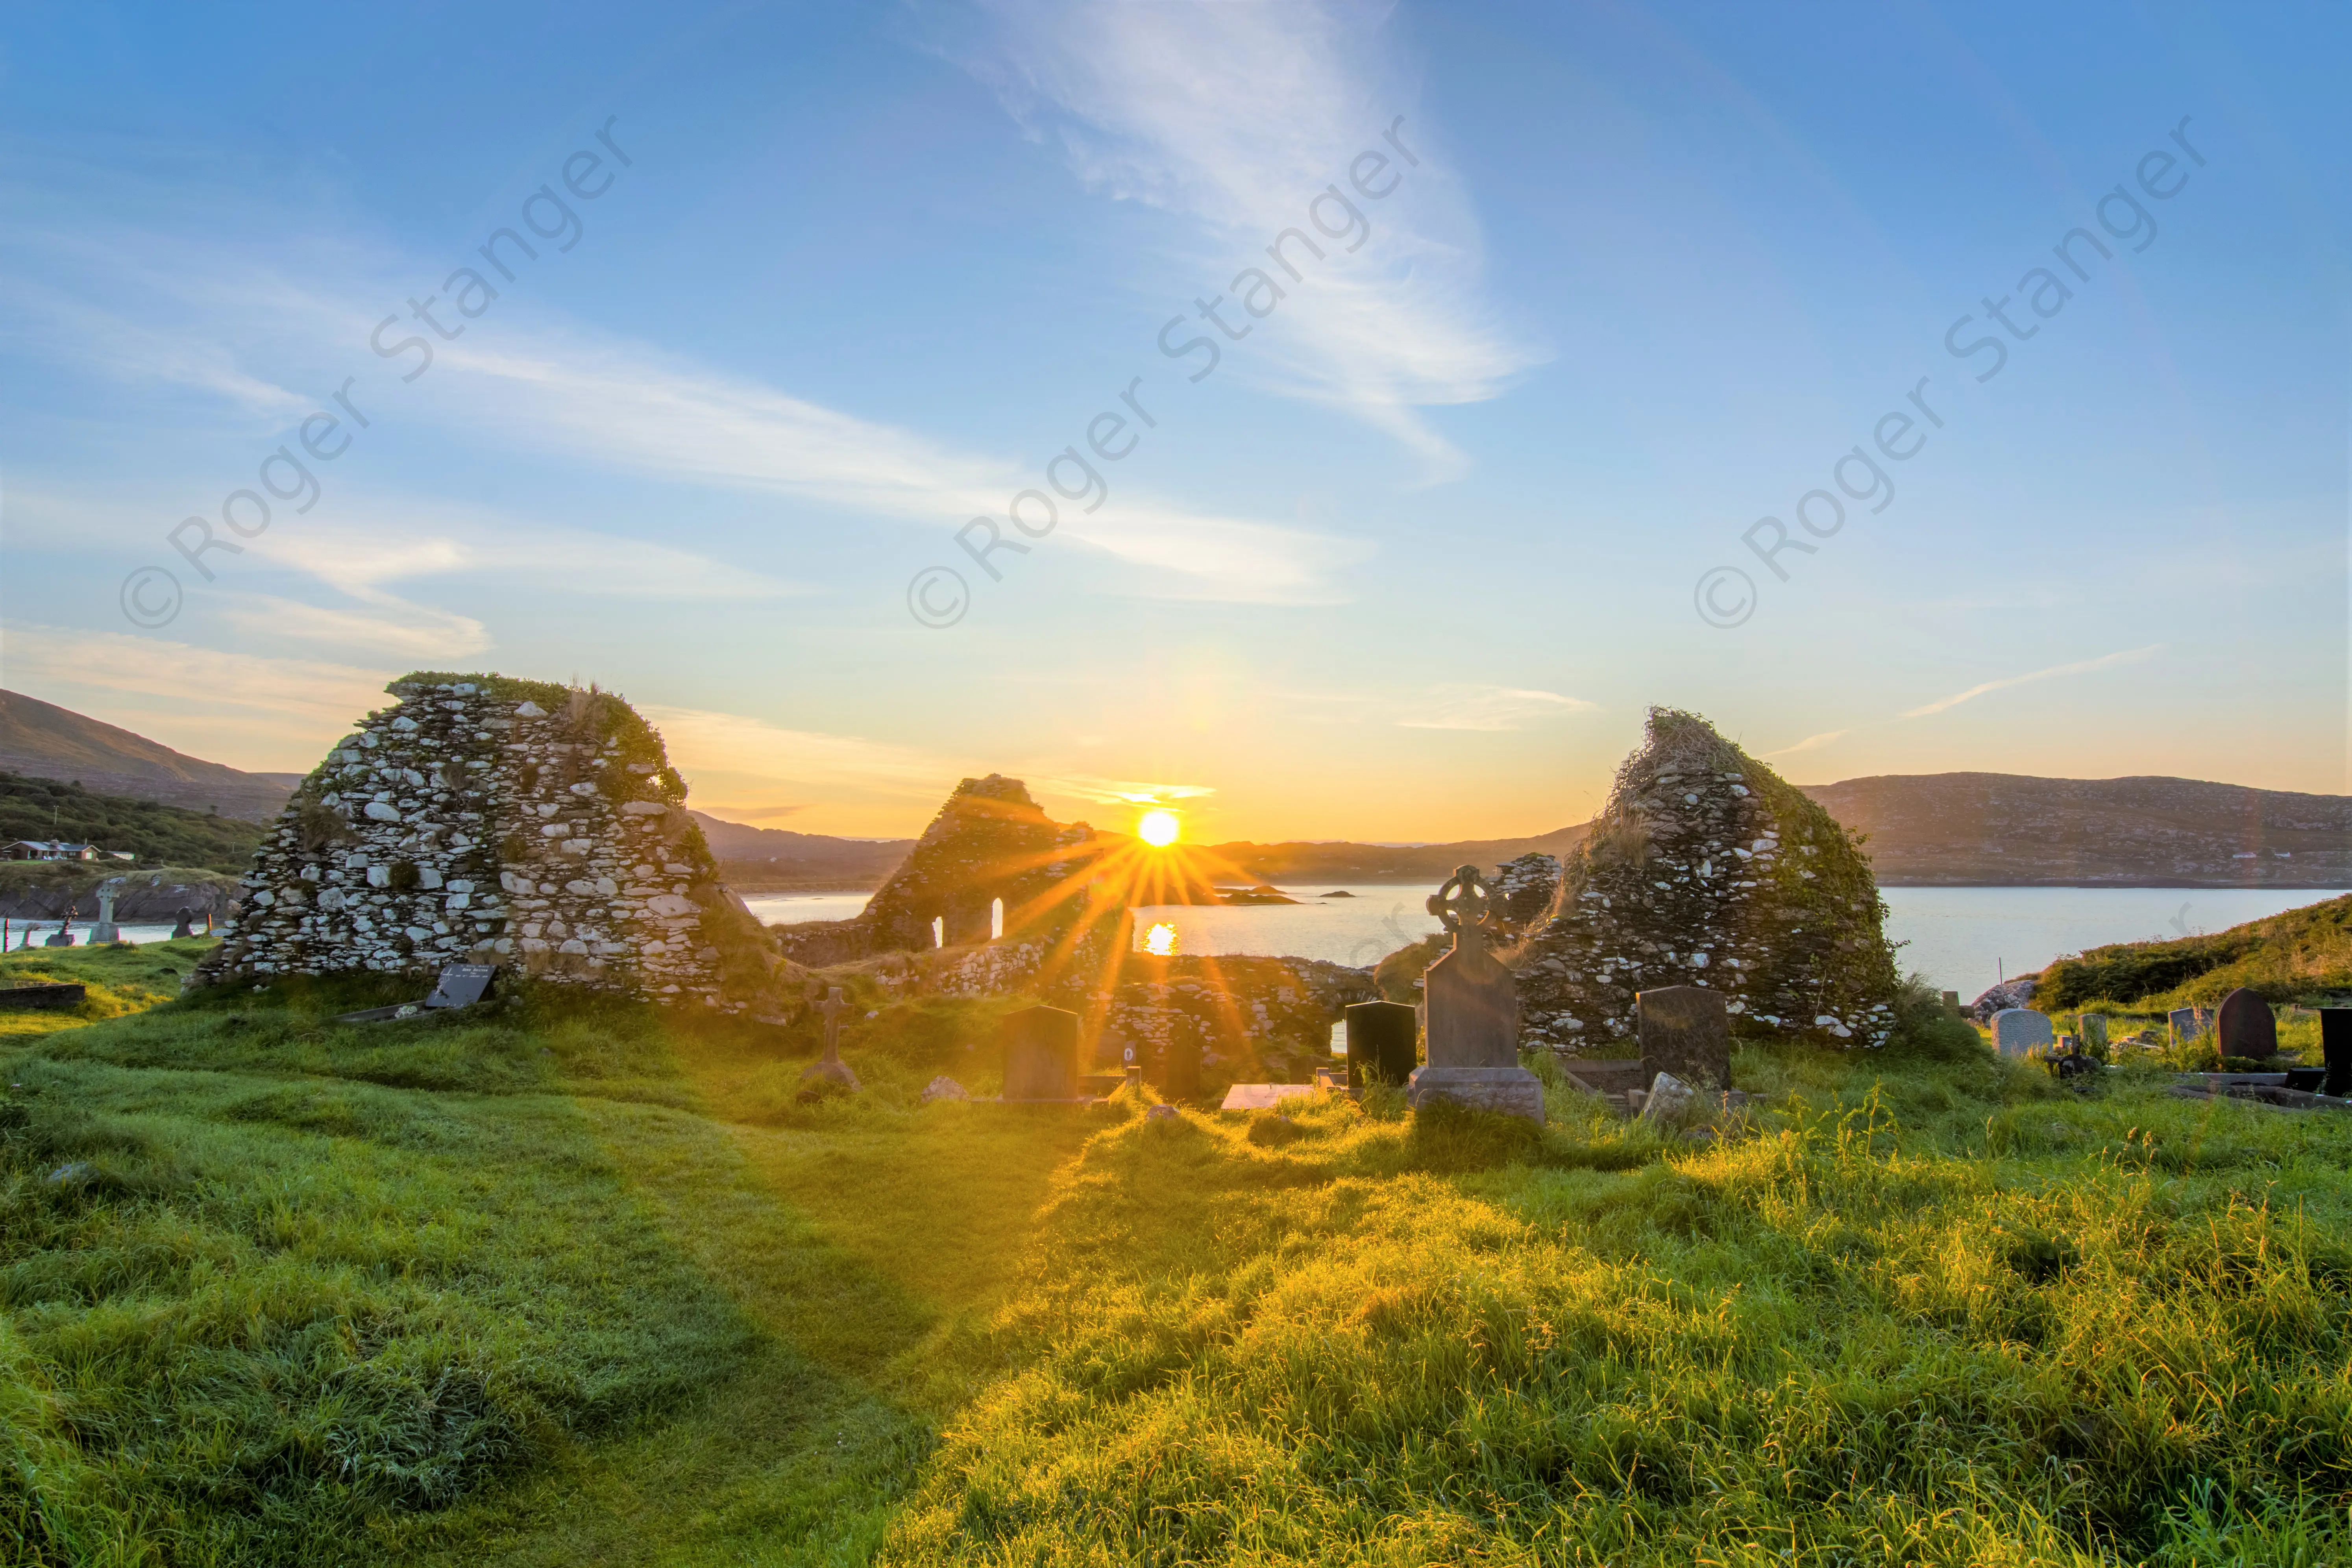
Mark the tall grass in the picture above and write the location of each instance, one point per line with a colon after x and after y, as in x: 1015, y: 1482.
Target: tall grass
x: 563, y: 1281
x: 2028, y: 1327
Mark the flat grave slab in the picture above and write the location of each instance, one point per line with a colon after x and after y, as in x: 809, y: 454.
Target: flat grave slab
x: 28, y: 998
x: 1263, y: 1096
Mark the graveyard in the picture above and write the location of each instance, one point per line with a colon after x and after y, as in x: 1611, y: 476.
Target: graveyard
x: 1648, y: 1216
x: 307, y: 1270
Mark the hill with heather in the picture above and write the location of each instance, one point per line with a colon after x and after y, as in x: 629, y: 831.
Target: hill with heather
x: 40, y: 740
x: 2008, y: 830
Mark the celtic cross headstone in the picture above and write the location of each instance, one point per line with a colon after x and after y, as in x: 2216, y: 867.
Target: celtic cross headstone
x: 1474, y: 1013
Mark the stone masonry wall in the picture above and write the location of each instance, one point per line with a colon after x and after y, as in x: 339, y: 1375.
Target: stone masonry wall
x: 488, y: 820
x: 1705, y: 868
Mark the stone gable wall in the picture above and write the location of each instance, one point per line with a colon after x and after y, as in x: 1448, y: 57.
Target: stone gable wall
x: 1705, y: 868
x: 485, y: 820
x: 990, y: 841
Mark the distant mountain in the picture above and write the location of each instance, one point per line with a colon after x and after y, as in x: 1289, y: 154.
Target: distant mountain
x: 774, y: 858
x: 1300, y: 863
x: 2002, y: 829
x: 43, y: 740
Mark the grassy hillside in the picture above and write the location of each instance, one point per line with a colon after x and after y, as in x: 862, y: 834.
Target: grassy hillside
x: 44, y: 741
x: 2305, y: 955
x: 554, y: 1285
x: 157, y: 835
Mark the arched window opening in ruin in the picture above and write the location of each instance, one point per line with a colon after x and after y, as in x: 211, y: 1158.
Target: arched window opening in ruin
x: 939, y: 930
x: 995, y: 919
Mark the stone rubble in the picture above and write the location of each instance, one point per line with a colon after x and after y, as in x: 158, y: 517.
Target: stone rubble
x: 485, y: 820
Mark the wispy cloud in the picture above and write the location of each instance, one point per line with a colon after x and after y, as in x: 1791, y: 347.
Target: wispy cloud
x: 637, y: 409
x: 224, y: 323
x: 272, y: 714
x: 1492, y: 707
x: 2083, y: 667
x: 414, y: 634
x: 747, y: 759
x: 1114, y: 792
x: 1235, y: 116
x: 1810, y: 743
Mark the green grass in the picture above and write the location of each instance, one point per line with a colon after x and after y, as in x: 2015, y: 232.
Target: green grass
x: 43, y: 809
x: 562, y: 1284
x: 2302, y: 954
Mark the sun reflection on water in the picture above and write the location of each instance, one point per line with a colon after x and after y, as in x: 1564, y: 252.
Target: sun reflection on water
x: 1160, y: 940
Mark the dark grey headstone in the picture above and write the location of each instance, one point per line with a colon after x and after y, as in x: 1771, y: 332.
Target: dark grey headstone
x: 462, y: 985
x: 2335, y: 1047
x: 1041, y: 1053
x: 1684, y: 1031
x: 1474, y: 1010
x: 1180, y: 1067
x: 186, y: 926
x: 2246, y: 1026
x: 1383, y: 1038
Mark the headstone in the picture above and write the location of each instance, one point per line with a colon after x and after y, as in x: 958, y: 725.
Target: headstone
x: 2017, y: 1030
x: 63, y: 936
x: 2091, y: 1032
x: 462, y: 985
x: 1686, y: 1033
x: 1384, y: 1041
x: 1180, y: 1066
x: 2336, y: 1049
x: 106, y: 930
x: 943, y: 1087
x: 830, y: 1067
x: 1473, y: 1014
x: 1952, y: 1005
x: 183, y: 928
x: 2189, y: 1022
x: 1041, y: 1053
x: 2246, y: 1026
x: 1669, y: 1099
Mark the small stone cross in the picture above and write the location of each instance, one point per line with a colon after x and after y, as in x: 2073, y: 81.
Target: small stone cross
x: 833, y: 1006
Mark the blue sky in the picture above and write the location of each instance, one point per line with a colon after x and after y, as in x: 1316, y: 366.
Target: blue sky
x: 1408, y: 563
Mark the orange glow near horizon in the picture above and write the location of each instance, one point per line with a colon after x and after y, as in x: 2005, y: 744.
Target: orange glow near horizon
x: 1159, y: 828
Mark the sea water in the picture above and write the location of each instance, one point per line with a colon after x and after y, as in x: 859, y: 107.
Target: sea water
x: 1961, y: 939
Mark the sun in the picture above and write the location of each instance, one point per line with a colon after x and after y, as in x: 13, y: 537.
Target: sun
x: 1158, y: 828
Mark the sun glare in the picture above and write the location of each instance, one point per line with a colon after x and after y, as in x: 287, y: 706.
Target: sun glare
x: 1158, y: 828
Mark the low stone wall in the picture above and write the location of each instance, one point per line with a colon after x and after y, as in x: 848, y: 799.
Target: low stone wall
x: 45, y: 893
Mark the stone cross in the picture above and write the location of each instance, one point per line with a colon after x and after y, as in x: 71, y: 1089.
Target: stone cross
x: 1473, y: 1034
x: 830, y: 1065
x: 833, y: 1006
x: 106, y: 930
